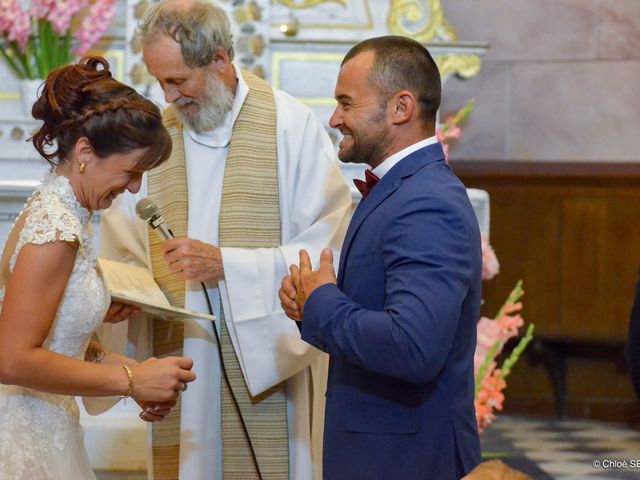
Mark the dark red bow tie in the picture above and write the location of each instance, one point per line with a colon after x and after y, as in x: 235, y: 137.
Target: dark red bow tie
x: 365, y: 186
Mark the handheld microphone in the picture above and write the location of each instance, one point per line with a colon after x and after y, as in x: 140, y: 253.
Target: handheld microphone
x: 148, y: 211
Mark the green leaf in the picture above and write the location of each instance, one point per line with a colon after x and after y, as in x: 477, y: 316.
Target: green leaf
x: 16, y: 67
x: 492, y: 455
x: 508, y: 364
x: 21, y: 58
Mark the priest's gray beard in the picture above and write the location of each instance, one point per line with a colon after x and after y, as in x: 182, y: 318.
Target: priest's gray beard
x: 210, y: 111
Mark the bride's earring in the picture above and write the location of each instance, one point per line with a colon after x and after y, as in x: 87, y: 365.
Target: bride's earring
x: 83, y: 167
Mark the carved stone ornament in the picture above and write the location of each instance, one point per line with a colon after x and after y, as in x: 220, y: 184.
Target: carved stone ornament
x: 422, y: 20
x: 303, y: 4
x: 465, y: 66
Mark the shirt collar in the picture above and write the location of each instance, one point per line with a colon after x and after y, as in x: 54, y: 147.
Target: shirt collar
x: 389, y: 162
x: 221, y: 137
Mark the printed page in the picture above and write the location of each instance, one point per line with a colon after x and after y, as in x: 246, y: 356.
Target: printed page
x: 135, y: 285
x: 132, y: 282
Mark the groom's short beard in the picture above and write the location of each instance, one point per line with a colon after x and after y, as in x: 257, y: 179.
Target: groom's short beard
x: 210, y: 111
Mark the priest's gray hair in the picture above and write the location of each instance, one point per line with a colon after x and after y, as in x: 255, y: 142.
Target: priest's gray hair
x: 199, y: 26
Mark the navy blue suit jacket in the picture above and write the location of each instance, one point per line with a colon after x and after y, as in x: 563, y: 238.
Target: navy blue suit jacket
x: 400, y: 328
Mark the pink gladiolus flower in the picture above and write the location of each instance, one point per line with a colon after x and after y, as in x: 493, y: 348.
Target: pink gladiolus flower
x: 454, y: 132
x: 509, y: 325
x: 490, y: 264
x: 451, y: 130
x: 445, y: 149
x: 62, y: 11
x: 39, y: 37
x: 41, y: 8
x: 488, y: 334
x: 499, y: 330
x: 15, y: 21
x: 490, y: 398
x: 94, y: 25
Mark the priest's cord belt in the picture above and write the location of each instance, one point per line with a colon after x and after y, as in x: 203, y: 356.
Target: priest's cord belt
x: 226, y: 379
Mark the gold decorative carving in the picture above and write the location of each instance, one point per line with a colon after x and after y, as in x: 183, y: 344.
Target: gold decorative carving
x: 259, y: 71
x: 249, y: 13
x: 252, y: 45
x: 17, y: 133
x: 448, y: 33
x: 465, y: 66
x: 140, y: 8
x: 414, y: 11
x: 9, y: 96
x: 308, y: 3
x: 136, y: 44
x: 365, y: 7
x: 139, y: 75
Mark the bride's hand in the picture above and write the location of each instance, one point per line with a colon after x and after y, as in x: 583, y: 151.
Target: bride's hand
x: 119, y: 311
x: 161, y: 380
x: 156, y: 411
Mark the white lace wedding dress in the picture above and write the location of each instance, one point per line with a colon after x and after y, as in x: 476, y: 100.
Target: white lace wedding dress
x: 40, y: 435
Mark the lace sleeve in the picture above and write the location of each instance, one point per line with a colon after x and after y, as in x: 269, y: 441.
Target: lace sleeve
x: 49, y: 220
x: 52, y: 214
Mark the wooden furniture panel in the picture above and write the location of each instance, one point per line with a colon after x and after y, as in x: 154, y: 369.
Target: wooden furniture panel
x: 571, y: 232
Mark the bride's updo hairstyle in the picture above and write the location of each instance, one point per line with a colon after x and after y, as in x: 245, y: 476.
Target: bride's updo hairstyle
x: 84, y: 100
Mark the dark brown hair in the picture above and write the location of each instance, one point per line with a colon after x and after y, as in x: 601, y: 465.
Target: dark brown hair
x: 401, y: 63
x: 84, y: 100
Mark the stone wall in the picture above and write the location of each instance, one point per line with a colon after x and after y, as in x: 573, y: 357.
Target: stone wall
x: 559, y: 81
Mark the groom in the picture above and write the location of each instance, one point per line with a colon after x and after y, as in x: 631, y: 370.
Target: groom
x: 400, y: 324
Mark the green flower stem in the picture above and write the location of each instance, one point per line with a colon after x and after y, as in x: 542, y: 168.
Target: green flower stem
x: 15, y: 67
x: 22, y: 59
x: 491, y: 354
x: 36, y: 54
x: 43, y: 54
x: 66, y: 49
x: 464, y: 111
x: 53, y: 45
x: 508, y: 364
x: 493, y: 455
x: 513, y: 298
x: 460, y: 116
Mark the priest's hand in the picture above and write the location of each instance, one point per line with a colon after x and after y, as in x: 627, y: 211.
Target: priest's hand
x: 118, y: 312
x: 193, y: 259
x: 307, y: 281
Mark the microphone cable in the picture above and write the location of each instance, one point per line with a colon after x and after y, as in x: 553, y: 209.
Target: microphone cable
x: 228, y: 382
x: 148, y: 211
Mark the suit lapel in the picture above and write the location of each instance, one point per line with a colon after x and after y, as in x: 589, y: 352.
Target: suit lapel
x: 387, y: 185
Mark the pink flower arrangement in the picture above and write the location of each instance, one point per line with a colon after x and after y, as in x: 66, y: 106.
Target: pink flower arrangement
x: 450, y: 129
x: 490, y: 264
x: 493, y: 334
x: 94, y: 24
x: 36, y: 40
x: 490, y: 381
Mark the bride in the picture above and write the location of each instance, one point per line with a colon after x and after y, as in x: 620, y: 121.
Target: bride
x: 99, y: 136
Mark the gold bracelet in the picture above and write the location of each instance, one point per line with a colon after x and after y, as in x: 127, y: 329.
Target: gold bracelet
x: 130, y: 379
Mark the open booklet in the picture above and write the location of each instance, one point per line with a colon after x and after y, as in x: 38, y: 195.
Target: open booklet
x: 134, y: 285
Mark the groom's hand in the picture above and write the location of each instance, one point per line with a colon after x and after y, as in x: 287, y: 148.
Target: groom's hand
x: 287, y: 295
x: 308, y: 280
